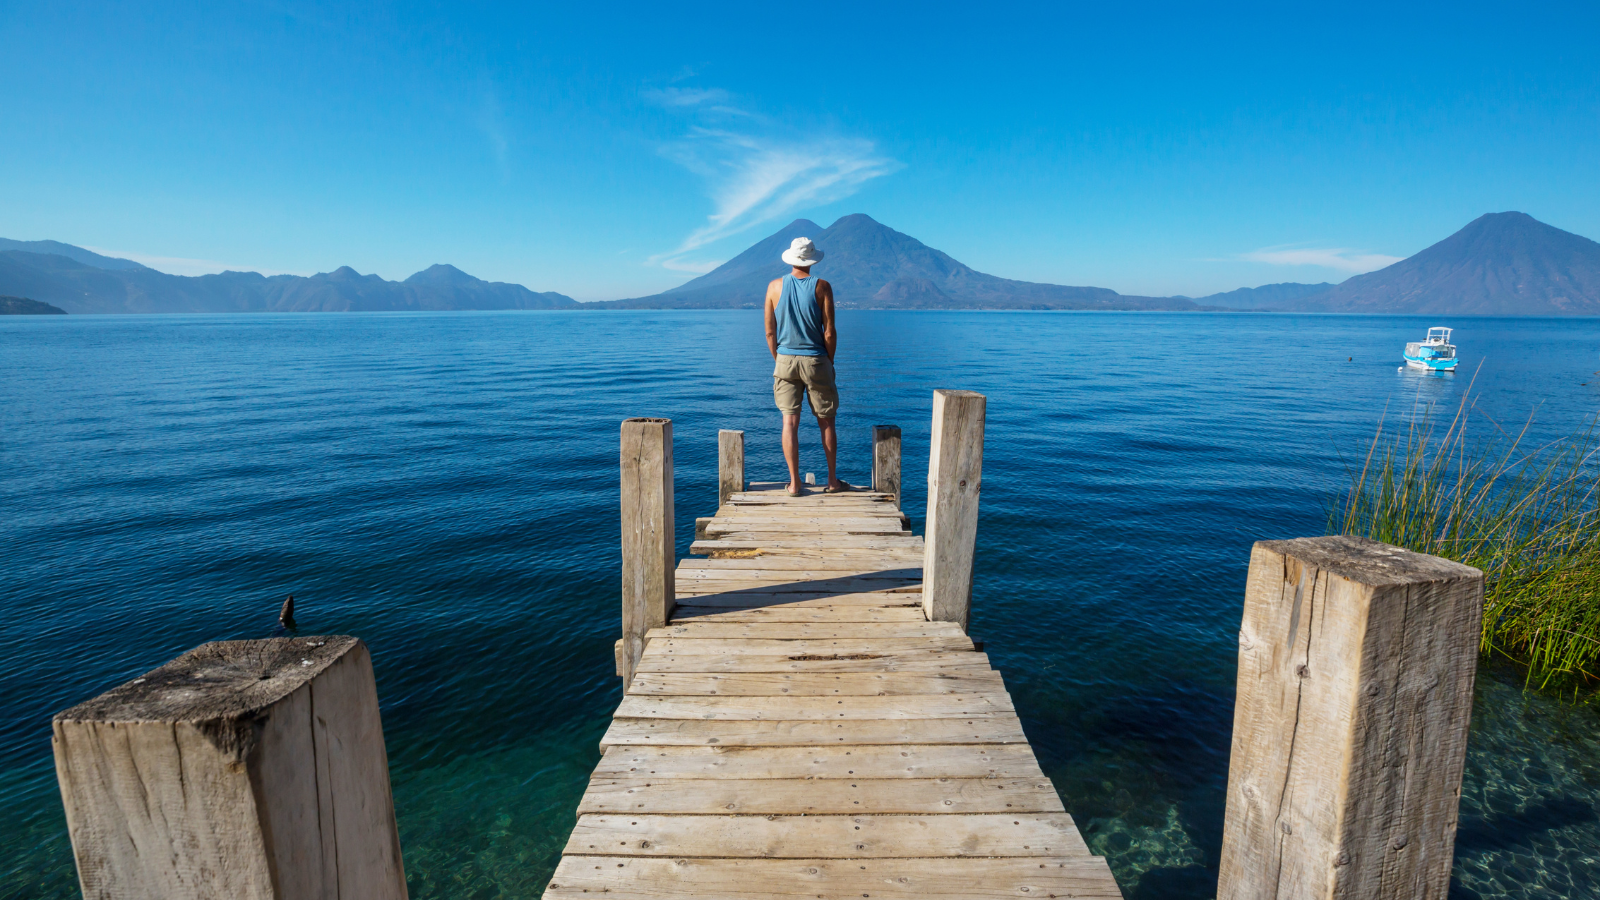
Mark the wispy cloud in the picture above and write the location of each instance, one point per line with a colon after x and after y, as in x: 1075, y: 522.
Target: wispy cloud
x: 672, y: 96
x: 490, y: 120
x: 755, y: 172
x: 1341, y: 258
x: 177, y: 265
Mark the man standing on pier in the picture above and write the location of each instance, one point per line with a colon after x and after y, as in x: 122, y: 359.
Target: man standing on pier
x: 802, y: 338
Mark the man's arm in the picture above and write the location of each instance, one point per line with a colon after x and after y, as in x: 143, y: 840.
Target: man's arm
x: 830, y: 336
x: 772, y: 317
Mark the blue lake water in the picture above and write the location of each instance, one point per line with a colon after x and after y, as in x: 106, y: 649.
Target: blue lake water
x: 445, y: 486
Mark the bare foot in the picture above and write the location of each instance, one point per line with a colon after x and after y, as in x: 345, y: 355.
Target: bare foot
x: 794, y: 489
x: 836, y: 487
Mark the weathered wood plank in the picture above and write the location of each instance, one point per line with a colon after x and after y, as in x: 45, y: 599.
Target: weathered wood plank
x: 757, y: 599
x: 902, y: 549
x: 853, y: 684
x: 910, y: 613
x: 887, y: 557
x: 845, y: 585
x: 858, y: 761
x: 820, y: 796
x: 1356, y: 665
x: 691, y: 733
x: 791, y: 631
x: 248, y: 769
x: 955, y: 478
x: 730, y: 464
x: 901, y: 661
x: 773, y: 563
x: 828, y: 837
x: 647, y: 533
x: 811, y: 708
x: 759, y: 646
x: 651, y: 878
x: 886, y: 460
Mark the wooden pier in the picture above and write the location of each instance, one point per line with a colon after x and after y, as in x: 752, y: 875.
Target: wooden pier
x: 801, y: 720
x: 805, y: 716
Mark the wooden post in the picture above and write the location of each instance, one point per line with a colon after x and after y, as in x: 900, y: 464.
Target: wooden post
x: 1356, y: 663
x: 886, y: 460
x: 242, y: 769
x: 648, y: 541
x: 730, y: 464
x: 955, y: 474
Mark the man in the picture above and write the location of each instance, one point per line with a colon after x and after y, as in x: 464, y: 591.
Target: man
x: 802, y: 339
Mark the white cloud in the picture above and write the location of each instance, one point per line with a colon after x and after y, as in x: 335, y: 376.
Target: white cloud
x: 177, y: 265
x: 1340, y: 258
x: 672, y: 96
x: 754, y: 178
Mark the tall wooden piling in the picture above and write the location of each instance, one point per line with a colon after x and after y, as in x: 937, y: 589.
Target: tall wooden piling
x: 648, y: 551
x: 1356, y: 664
x: 242, y: 769
x: 886, y: 460
x: 730, y: 464
x: 955, y: 475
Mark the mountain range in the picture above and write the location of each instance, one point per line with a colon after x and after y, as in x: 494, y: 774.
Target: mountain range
x: 1500, y: 264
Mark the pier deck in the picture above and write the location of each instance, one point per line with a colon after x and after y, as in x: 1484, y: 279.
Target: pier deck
x: 800, y: 729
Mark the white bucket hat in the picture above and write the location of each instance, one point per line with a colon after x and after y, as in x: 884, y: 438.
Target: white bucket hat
x: 802, y: 253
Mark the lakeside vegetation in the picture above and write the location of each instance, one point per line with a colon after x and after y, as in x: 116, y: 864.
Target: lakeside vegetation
x: 1527, y: 514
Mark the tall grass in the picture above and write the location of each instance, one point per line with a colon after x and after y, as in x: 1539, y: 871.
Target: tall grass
x: 1526, y: 515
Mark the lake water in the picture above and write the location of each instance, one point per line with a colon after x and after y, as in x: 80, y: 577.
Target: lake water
x: 445, y: 486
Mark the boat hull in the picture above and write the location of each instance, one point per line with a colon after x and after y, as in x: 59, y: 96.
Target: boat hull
x: 1433, y: 365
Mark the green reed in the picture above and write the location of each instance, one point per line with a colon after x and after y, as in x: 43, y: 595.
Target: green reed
x: 1527, y: 516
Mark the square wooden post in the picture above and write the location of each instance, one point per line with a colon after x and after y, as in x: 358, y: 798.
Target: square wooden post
x: 886, y: 460
x: 955, y: 474
x: 730, y: 464
x: 1356, y: 664
x: 242, y: 769
x: 648, y: 542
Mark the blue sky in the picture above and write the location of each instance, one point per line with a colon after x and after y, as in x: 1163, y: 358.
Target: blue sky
x: 608, y: 151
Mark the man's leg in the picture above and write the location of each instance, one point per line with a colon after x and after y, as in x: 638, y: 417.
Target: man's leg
x: 791, y: 450
x: 830, y: 445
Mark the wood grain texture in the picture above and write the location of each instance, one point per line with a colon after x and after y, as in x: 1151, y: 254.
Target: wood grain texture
x: 709, y: 708
x: 955, y: 478
x: 1014, y: 760
x: 828, y: 837
x: 251, y: 769
x: 730, y: 464
x: 908, y: 613
x: 1356, y: 665
x: 1002, y: 729
x: 647, y: 532
x: 651, y: 878
x: 820, y: 796
x: 886, y: 461
x: 881, y: 661
x: 844, y: 684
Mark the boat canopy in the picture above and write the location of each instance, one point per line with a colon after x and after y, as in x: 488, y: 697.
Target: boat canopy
x: 1438, y: 336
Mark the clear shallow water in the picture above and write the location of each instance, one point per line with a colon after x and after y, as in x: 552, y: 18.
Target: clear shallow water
x: 444, y: 485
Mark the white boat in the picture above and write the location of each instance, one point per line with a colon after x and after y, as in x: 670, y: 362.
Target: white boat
x: 1435, y: 352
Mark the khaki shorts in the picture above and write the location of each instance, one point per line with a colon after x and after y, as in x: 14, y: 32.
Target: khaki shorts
x: 796, y: 376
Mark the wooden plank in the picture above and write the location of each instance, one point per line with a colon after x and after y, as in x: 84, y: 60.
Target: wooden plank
x: 859, y: 761
x: 955, y: 477
x: 730, y: 464
x: 775, y: 563
x: 758, y: 646
x: 827, y: 837
x: 648, y: 540
x: 910, y: 613
x: 864, y: 537
x: 902, y: 661
x: 901, y: 549
x: 844, y: 585
x: 757, y: 599
x: 819, y: 796
x: 716, y: 528
x: 853, y: 684
x: 1356, y: 667
x: 829, y: 709
x: 886, y: 460
x: 789, y: 631
x: 250, y: 769
x: 887, y: 557
x: 863, y: 510
x: 693, y: 733
x: 654, y: 878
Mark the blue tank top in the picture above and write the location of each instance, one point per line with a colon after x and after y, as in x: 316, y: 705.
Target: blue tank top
x: 800, y: 318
